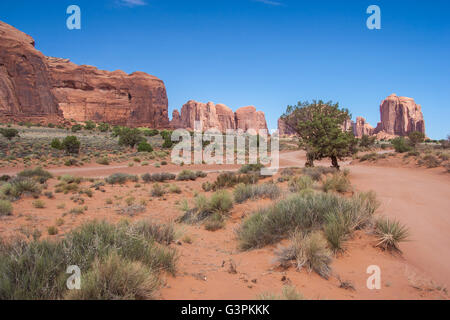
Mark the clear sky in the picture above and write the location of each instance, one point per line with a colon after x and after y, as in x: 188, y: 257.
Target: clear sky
x: 267, y: 53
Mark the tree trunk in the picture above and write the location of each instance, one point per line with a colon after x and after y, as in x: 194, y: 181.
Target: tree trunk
x: 334, y: 162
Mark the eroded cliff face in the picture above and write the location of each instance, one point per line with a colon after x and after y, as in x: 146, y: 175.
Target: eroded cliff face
x: 45, y: 89
x: 25, y: 82
x: 400, y: 116
x: 217, y: 116
x: 361, y: 127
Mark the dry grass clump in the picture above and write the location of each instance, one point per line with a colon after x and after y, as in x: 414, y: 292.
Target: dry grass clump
x: 297, y: 184
x: 316, y: 173
x: 39, y: 174
x: 307, y: 250
x: 119, y: 261
x: 157, y: 177
x: 230, y: 179
x: 219, y: 204
x: 121, y: 178
x: 243, y: 192
x: 338, y: 182
x: 390, y: 233
x: 287, y: 293
x: 306, y: 212
x: 6, y: 208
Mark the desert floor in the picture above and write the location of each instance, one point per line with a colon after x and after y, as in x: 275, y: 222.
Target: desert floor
x: 211, y: 267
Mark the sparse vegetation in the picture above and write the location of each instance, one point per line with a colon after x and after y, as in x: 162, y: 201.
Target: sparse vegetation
x: 121, y: 178
x: 390, y: 233
x: 6, y: 208
x: 243, y: 192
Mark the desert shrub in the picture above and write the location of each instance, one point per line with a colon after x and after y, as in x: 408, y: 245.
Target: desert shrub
x: 103, y: 161
x: 338, y: 182
x: 67, y: 178
x: 52, y: 230
x: 366, y: 141
x: 5, y: 178
x: 287, y: 293
x: 38, y: 174
x: 201, y: 174
x: 158, y: 190
x: 214, y: 222
x: 56, y: 144
x: 430, y: 161
x: 243, y: 192
x: 230, y: 179
x: 157, y: 177
x: 103, y: 127
x: 90, y: 125
x: 307, y: 250
x: 129, y: 137
x: 401, y: 145
x: 151, y: 132
x: 76, y: 128
x: 186, y: 175
x: 369, y: 157
x: 316, y: 173
x: 304, y: 211
x: 220, y: 203
x: 173, y: 188
x: 9, y: 133
x: 390, y: 233
x: 121, y: 178
x: 71, y: 162
x: 20, y: 186
x: 144, y: 146
x: 37, y: 269
x: 297, y: 184
x: 161, y: 233
x: 71, y: 145
x: 131, y: 209
x: 246, y: 168
x: 114, y: 277
x: 6, y: 208
x: 207, y: 186
x: 39, y: 204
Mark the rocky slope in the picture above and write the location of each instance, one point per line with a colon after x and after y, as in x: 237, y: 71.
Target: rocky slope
x: 217, y: 116
x: 43, y: 89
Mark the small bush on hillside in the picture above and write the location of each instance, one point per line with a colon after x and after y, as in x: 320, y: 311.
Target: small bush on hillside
x: 161, y: 233
x: 316, y: 173
x: 39, y: 204
x: 71, y: 145
x: 157, y: 177
x: 56, y: 144
x: 430, y: 161
x: 21, y: 186
x: 76, y: 128
x: 103, y: 127
x: 129, y: 137
x: 230, y: 179
x: 9, y: 133
x: 214, y: 222
x: 157, y: 190
x: 144, y: 146
x: 103, y: 161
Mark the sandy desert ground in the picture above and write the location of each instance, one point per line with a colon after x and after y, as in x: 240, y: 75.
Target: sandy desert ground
x: 210, y: 266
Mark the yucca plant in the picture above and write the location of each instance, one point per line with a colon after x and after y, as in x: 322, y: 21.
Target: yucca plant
x: 390, y: 233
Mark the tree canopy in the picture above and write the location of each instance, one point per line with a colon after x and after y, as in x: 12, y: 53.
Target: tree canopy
x: 319, y: 126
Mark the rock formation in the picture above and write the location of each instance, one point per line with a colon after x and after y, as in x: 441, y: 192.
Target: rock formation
x: 400, y: 116
x: 217, y: 116
x: 86, y: 93
x: 43, y: 89
x: 249, y: 118
x: 25, y: 82
x: 361, y: 127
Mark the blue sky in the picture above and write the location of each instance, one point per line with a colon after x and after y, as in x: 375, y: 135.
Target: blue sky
x: 267, y: 53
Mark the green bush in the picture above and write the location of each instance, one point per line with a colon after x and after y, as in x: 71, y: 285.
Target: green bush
x: 20, y: 186
x: 157, y: 190
x: 103, y: 161
x: 71, y: 144
x: 6, y: 208
x: 9, y: 133
x: 103, y: 127
x: 220, y: 203
x: 157, y: 177
x: 187, y: 175
x: 316, y: 173
x: 246, y: 168
x: 144, y: 146
x: 56, y: 144
x: 401, y: 145
x: 76, y: 128
x: 130, y: 137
